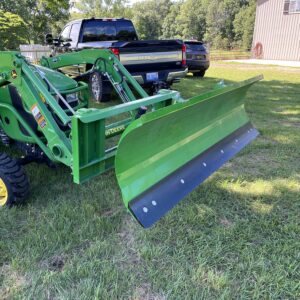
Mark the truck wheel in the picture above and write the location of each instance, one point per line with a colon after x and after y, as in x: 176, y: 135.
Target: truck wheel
x: 199, y: 74
x: 96, y: 86
x: 14, y: 184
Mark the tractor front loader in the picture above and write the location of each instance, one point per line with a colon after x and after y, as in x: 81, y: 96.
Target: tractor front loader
x: 167, y: 145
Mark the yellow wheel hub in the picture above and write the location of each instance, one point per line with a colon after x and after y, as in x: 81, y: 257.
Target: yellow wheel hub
x: 3, y: 193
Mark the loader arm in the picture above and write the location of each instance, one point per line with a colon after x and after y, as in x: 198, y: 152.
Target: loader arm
x: 57, y: 127
x: 35, y: 97
x: 103, y: 61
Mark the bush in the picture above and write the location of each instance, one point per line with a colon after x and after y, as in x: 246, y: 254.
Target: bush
x: 12, y: 31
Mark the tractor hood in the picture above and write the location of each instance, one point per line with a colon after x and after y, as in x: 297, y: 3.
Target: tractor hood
x: 60, y: 81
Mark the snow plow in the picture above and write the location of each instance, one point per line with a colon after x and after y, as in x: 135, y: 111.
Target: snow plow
x: 165, y: 146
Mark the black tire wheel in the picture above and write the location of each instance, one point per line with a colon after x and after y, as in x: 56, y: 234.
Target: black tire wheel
x: 199, y: 74
x: 14, y: 184
x: 96, y: 86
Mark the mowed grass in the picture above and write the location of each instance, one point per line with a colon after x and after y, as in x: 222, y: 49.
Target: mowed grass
x: 237, y: 236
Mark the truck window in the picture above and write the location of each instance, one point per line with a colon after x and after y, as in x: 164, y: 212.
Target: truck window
x: 197, y: 46
x: 99, y: 30
x: 65, y: 33
x: 95, y: 31
x: 74, y: 33
x: 126, y: 31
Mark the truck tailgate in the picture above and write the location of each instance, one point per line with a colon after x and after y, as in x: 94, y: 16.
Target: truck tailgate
x: 150, y: 55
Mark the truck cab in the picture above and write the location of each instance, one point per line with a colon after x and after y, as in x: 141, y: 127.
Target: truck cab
x: 150, y: 62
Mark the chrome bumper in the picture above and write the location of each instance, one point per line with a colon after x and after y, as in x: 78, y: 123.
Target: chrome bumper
x: 171, y: 76
x: 139, y: 79
x: 178, y: 74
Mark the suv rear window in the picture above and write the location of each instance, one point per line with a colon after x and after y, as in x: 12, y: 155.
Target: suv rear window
x: 195, y: 46
x: 99, y: 30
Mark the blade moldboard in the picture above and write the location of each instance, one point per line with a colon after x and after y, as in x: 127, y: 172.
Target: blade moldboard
x: 154, y: 203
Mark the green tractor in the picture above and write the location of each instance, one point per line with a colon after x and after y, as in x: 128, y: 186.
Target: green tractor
x: 161, y: 146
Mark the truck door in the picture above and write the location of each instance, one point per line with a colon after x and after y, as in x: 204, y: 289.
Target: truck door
x: 74, y: 34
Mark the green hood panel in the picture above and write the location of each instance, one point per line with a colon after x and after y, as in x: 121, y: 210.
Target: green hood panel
x: 59, y: 80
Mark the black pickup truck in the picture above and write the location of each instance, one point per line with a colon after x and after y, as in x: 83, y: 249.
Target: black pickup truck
x: 153, y: 63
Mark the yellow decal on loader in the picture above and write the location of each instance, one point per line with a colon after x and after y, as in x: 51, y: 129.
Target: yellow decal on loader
x: 38, y: 116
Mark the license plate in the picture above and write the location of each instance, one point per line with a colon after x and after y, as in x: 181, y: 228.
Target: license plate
x: 152, y: 76
x: 200, y: 57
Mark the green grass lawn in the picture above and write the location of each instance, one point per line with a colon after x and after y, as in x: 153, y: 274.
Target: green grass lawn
x: 237, y: 236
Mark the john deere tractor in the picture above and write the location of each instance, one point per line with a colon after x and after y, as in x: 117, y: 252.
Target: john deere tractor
x: 167, y: 145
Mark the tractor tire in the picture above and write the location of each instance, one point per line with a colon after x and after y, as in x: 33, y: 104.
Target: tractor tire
x: 14, y: 184
x: 199, y: 74
x: 96, y: 86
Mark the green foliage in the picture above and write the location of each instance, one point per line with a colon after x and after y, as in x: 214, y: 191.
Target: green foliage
x: 149, y: 16
x: 224, y: 24
x: 220, y: 15
x: 244, y: 25
x: 171, y: 25
x: 192, y: 19
x: 102, y: 8
x: 12, y: 30
x: 41, y: 16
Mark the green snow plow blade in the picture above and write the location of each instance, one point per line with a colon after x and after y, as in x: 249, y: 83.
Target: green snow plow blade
x: 165, y: 154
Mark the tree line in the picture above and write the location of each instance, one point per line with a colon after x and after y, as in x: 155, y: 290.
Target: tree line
x: 224, y: 24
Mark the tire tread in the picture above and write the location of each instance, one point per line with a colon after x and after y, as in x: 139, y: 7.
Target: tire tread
x: 16, y: 177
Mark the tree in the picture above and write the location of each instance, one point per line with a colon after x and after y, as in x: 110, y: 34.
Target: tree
x: 41, y: 16
x: 103, y: 8
x: 219, y: 22
x: 244, y: 25
x: 223, y: 23
x: 12, y: 31
x: 192, y: 19
x: 170, y: 26
x: 149, y: 16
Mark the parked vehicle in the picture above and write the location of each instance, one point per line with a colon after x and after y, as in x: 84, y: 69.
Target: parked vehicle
x: 197, y: 58
x: 154, y: 63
